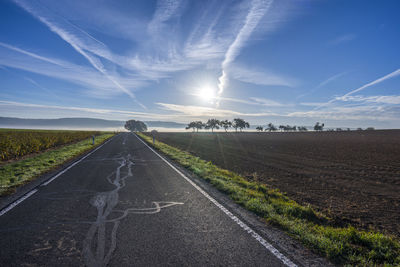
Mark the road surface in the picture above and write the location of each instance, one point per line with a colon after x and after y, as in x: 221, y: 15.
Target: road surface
x: 123, y: 205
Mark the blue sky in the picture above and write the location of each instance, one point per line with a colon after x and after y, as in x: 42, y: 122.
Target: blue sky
x: 285, y: 62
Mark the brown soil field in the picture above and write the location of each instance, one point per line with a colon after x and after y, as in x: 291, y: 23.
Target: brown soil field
x: 354, y: 177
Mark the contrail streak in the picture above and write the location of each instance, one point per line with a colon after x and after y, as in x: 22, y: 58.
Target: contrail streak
x: 386, y: 77
x: 257, y: 11
x: 79, y: 46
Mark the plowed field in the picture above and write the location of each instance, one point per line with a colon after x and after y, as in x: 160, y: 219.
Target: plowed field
x: 351, y: 176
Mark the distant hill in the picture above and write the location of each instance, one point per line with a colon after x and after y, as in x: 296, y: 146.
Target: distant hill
x: 77, y: 123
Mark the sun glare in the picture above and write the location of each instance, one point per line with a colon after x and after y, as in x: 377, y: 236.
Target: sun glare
x: 207, y: 93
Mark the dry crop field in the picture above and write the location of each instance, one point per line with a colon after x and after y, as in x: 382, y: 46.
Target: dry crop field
x: 28, y: 154
x: 16, y: 143
x: 352, y: 176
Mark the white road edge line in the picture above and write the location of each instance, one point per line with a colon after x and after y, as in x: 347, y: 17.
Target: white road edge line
x: 30, y: 193
x: 15, y: 203
x: 244, y: 226
x: 72, y: 165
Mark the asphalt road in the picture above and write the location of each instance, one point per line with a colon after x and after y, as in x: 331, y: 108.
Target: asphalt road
x: 124, y: 206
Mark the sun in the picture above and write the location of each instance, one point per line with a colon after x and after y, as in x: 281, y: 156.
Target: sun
x: 206, y: 93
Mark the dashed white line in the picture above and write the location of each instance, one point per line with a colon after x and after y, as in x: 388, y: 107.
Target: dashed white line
x: 30, y: 193
x: 244, y: 226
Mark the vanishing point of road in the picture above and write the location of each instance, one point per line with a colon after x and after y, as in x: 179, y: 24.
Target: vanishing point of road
x: 124, y: 205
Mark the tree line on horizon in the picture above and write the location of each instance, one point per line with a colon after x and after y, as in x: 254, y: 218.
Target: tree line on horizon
x: 237, y: 123
x: 283, y: 128
x: 287, y: 128
x: 241, y: 124
x: 212, y: 124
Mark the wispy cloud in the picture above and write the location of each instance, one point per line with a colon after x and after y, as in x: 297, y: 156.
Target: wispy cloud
x: 179, y: 113
x: 311, y: 104
x: 383, y: 99
x: 257, y: 11
x: 251, y: 75
x: 266, y: 102
x: 207, y: 112
x: 355, y: 107
x: 8, y: 108
x: 46, y: 90
x: 323, y: 83
x: 331, y: 79
x: 219, y: 33
x: 371, y: 112
x: 168, y: 53
x: 83, y: 43
x: 342, y: 39
x: 352, y: 113
x: 185, y: 113
x: 165, y: 10
x: 96, y: 83
x: 204, y: 41
x: 254, y: 101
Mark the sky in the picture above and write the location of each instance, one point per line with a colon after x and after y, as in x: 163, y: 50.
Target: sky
x: 285, y: 62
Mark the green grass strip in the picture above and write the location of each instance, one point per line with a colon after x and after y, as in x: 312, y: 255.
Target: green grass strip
x: 20, y: 172
x: 341, y: 245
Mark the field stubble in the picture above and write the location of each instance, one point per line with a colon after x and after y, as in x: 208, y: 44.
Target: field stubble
x: 353, y: 177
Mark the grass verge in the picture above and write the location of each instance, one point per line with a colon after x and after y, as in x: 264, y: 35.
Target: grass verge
x: 341, y: 245
x: 20, y: 172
